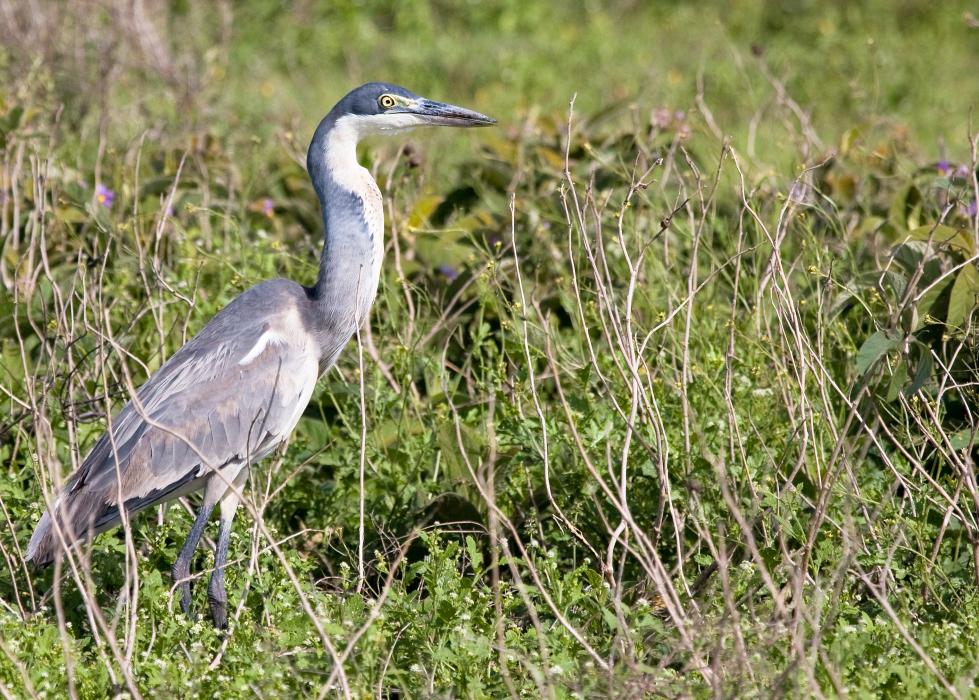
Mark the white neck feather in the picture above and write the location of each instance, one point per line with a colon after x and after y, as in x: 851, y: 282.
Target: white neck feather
x: 340, y: 151
x: 340, y: 148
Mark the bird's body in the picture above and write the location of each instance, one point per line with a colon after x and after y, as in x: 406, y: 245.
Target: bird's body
x: 237, y: 389
x: 186, y: 420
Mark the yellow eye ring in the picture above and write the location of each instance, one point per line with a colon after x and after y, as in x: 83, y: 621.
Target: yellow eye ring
x: 386, y: 101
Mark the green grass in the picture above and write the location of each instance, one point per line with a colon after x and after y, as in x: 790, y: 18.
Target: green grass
x: 696, y: 418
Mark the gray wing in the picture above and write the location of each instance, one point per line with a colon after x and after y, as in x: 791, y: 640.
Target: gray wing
x: 229, y: 396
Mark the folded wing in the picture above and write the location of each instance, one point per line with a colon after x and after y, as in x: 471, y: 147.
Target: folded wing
x: 226, y: 399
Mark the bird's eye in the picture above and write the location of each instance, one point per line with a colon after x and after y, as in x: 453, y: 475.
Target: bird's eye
x: 386, y: 101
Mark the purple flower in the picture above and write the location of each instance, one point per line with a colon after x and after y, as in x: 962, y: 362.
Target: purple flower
x: 943, y: 167
x: 971, y: 209
x: 104, y: 195
x: 450, y: 272
x: 268, y: 207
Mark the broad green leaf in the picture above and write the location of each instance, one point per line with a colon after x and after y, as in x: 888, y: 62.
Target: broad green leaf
x: 963, y: 298
x: 475, y: 556
x: 962, y: 439
x: 922, y: 373
x: 875, y: 347
x: 841, y: 302
x: 897, y: 282
x: 908, y: 254
x: 898, y: 380
x: 903, y: 214
x: 927, y: 302
x: 958, y: 240
x: 422, y: 210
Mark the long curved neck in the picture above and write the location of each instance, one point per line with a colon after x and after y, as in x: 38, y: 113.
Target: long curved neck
x: 353, y: 222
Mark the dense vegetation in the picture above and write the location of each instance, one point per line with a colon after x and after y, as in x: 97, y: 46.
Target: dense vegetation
x: 668, y: 393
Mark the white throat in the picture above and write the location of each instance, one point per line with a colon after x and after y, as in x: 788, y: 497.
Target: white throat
x: 340, y: 148
x: 340, y: 155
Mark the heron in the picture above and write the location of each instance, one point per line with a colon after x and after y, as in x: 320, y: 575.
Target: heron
x: 234, y: 392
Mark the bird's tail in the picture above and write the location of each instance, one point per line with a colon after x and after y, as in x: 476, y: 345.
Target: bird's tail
x: 76, y: 524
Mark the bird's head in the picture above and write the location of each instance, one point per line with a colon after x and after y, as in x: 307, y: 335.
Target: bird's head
x: 385, y: 108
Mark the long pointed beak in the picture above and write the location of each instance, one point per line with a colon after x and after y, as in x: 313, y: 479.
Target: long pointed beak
x: 442, y: 114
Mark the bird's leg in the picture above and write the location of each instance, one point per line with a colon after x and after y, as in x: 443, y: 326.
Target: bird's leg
x: 181, y: 567
x: 217, y: 597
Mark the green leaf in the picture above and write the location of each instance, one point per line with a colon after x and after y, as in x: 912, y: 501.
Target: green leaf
x: 962, y: 439
x: 875, y: 347
x: 928, y: 302
x: 942, y: 236
x: 898, y: 380
x: 897, y: 282
x: 421, y: 212
x: 903, y: 213
x: 922, y: 373
x: 475, y: 556
x: 963, y: 298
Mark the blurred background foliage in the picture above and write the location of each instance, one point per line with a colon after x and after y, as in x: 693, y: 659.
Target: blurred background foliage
x: 745, y: 297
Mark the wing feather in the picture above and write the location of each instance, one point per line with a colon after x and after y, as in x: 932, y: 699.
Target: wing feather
x: 201, y: 411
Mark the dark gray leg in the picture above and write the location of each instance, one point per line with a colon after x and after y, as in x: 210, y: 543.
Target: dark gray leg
x: 217, y: 597
x: 181, y: 567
